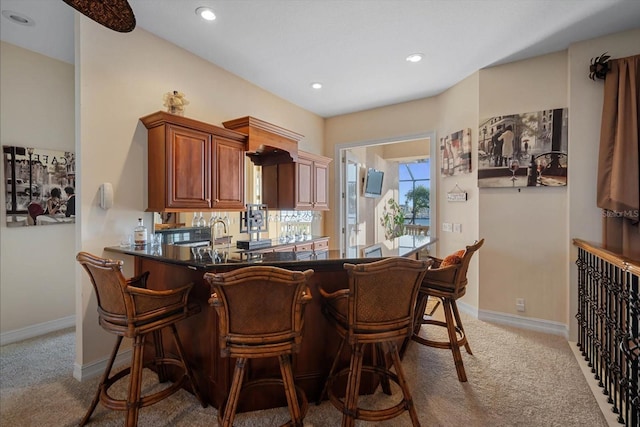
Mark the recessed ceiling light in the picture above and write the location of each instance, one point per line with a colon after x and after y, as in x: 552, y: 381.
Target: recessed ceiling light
x: 316, y: 85
x: 415, y: 57
x: 206, y: 13
x: 18, y: 18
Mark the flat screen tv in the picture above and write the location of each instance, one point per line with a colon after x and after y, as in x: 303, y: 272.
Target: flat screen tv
x: 373, y: 183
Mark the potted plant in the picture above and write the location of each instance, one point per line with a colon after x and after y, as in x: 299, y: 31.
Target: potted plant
x: 392, y: 219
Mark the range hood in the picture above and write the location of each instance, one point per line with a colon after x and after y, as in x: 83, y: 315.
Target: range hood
x: 267, y: 143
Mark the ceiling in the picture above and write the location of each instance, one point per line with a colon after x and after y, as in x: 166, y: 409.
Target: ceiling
x: 355, y: 48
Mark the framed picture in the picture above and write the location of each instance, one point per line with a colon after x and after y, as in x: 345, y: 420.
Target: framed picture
x: 524, y: 150
x: 455, y: 153
x: 39, y: 186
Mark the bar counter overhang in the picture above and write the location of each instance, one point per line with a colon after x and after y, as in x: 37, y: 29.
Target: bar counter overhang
x: 172, y: 266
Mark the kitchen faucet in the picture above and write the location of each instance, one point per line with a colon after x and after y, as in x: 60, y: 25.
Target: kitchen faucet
x: 213, y: 230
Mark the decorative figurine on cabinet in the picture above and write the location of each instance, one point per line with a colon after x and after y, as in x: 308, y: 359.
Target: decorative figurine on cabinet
x: 175, y: 102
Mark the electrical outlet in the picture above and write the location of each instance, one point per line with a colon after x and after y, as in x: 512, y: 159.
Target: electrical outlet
x: 446, y: 226
x: 520, y: 304
x: 457, y: 228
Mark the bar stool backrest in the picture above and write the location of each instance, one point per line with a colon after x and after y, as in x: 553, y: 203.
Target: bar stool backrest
x: 382, y: 296
x: 454, y: 276
x: 115, y: 307
x: 259, y: 306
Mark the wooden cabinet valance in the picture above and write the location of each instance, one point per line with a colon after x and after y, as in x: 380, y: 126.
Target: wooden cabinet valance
x: 301, y: 185
x: 193, y: 165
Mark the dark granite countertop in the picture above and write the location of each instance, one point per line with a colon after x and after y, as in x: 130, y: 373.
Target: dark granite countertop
x: 202, y: 258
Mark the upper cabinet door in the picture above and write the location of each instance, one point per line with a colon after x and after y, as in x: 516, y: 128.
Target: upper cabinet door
x: 321, y: 184
x: 304, y: 190
x: 313, y: 181
x: 188, y: 168
x: 229, y: 173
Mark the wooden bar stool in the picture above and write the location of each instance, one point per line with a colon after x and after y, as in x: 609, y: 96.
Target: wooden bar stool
x: 377, y: 310
x: 260, y: 314
x: 447, y: 281
x: 127, y: 309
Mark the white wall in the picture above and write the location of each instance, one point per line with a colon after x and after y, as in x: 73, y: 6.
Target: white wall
x: 36, y: 263
x: 121, y: 78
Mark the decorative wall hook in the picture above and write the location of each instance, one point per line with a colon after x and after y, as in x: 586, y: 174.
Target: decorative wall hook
x: 599, y: 67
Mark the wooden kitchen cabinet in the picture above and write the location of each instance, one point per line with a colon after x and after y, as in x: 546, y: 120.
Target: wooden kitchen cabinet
x: 321, y: 245
x: 306, y: 246
x: 193, y: 165
x: 228, y: 179
x: 299, y: 185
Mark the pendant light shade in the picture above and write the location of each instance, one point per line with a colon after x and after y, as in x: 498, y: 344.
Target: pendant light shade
x: 114, y: 14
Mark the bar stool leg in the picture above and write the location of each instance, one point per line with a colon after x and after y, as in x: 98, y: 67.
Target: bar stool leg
x: 418, y: 317
x: 234, y: 393
x: 353, y: 386
x: 453, y: 340
x: 403, y: 385
x: 159, y: 348
x: 105, y: 376
x: 421, y: 307
x: 133, y: 399
x: 381, y: 363
x: 331, y: 372
x: 290, y: 389
x: 454, y: 305
x: 187, y: 369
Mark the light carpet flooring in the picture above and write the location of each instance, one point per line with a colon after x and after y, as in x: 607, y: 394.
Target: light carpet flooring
x: 516, y: 378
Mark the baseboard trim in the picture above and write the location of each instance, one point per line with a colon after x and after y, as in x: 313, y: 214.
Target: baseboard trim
x: 467, y: 309
x: 94, y: 369
x: 539, y: 325
x: 36, y: 330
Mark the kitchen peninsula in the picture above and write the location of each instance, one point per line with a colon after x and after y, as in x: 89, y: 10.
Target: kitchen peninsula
x: 172, y: 266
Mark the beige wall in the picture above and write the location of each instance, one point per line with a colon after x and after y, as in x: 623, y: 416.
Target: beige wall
x: 123, y: 77
x: 525, y: 253
x: 36, y: 263
x: 528, y: 252
x: 585, y: 109
x: 458, y: 110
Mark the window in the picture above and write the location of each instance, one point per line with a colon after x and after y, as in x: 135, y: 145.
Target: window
x: 413, y: 180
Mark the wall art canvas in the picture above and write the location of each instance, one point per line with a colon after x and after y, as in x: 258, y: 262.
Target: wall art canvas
x: 524, y: 150
x: 455, y: 153
x: 39, y: 186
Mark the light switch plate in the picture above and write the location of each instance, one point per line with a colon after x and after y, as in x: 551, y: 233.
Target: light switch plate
x: 446, y: 226
x: 457, y: 228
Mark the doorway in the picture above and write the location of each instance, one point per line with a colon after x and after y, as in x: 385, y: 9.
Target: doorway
x: 350, y: 190
x: 351, y: 226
